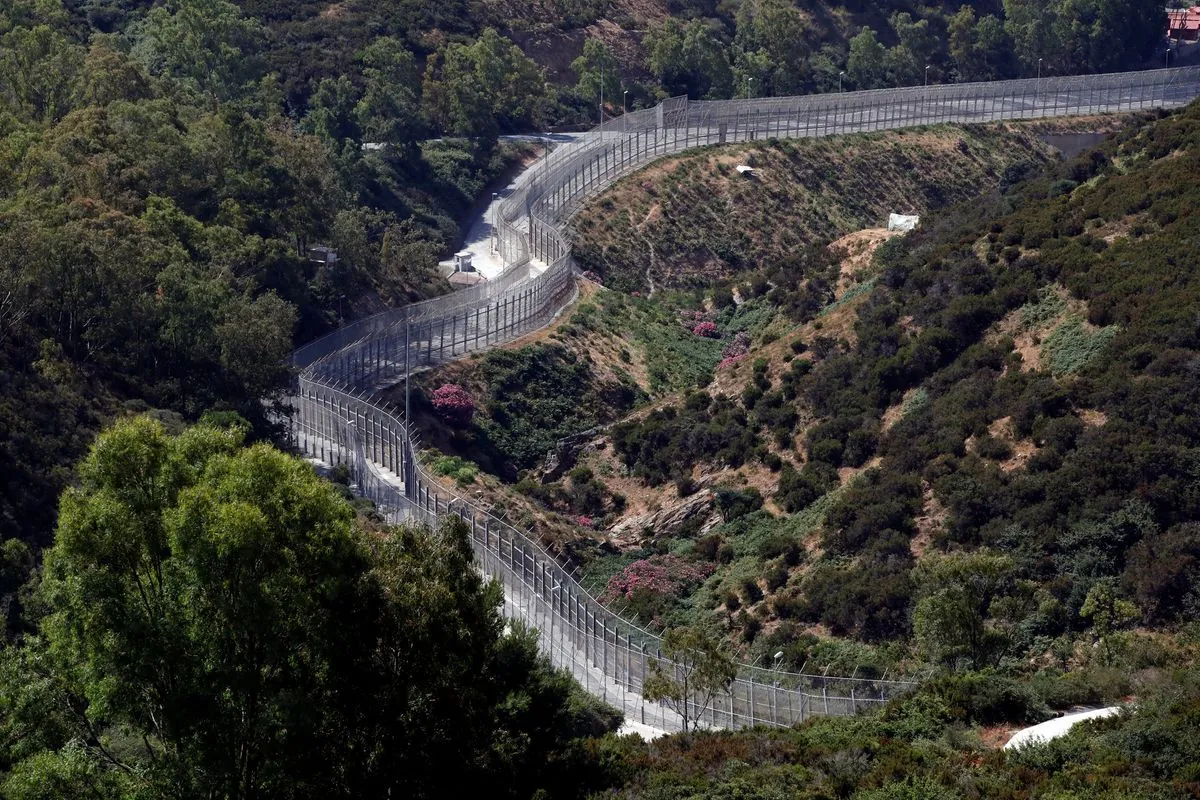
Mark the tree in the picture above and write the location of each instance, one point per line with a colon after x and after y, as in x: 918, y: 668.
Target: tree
x: 206, y: 45
x: 1163, y: 572
x: 689, y: 60
x: 956, y: 592
x: 775, y: 30
x: 216, y: 624
x: 389, y: 110
x: 333, y: 113
x: 597, y: 71
x: 695, y: 670
x: 865, y: 66
x: 915, y: 49
x: 40, y: 73
x: 1107, y: 610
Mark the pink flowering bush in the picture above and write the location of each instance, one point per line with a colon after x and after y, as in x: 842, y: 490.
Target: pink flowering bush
x: 729, y: 361
x: 592, y: 276
x: 584, y: 521
x: 647, y: 586
x: 707, y: 329
x: 454, y: 404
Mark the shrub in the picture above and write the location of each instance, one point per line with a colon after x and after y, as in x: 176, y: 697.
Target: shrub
x: 1071, y: 347
x: 649, y: 584
x: 751, y: 590
x: 707, y: 329
x: 734, y: 503
x: 454, y: 404
x: 463, y: 472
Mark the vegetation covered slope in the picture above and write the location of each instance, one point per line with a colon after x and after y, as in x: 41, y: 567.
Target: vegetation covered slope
x: 974, y: 448
x: 691, y: 220
x: 156, y: 206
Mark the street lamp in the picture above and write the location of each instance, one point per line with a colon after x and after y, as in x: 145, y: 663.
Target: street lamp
x: 840, y: 74
x: 927, y: 74
x: 750, y: 92
x: 1039, y: 71
x: 1167, y: 61
x: 494, y: 212
x: 624, y: 104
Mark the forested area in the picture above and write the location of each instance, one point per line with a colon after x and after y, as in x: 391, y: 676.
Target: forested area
x: 157, y: 205
x: 213, y: 620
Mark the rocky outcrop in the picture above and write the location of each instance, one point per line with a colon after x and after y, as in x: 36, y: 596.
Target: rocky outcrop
x: 668, y: 521
x: 566, y: 452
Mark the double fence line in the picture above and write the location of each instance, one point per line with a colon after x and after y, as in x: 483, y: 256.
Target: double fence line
x: 337, y: 417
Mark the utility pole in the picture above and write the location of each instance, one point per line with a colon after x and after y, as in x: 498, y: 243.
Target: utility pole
x: 495, y: 232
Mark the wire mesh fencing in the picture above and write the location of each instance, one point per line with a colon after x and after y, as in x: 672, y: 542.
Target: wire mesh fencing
x: 338, y: 419
x: 611, y: 657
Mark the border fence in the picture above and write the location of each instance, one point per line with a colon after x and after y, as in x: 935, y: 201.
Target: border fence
x: 338, y: 419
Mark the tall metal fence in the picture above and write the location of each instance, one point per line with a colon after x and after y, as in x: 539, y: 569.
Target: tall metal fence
x: 610, y: 656
x: 338, y: 420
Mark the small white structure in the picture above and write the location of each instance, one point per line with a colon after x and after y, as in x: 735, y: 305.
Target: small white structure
x: 1054, y: 728
x: 902, y: 222
x: 745, y: 170
x: 462, y: 261
x: 460, y: 270
x: 322, y: 254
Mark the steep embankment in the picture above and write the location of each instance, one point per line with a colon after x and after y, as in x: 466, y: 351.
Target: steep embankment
x: 693, y: 219
x: 976, y: 442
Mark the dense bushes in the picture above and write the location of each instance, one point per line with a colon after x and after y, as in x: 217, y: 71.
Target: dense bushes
x: 1087, y: 500
x: 535, y: 396
x: 668, y: 441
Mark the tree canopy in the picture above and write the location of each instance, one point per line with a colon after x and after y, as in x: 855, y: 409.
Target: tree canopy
x: 213, y: 622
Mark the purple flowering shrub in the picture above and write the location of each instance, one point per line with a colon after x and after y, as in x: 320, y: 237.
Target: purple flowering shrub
x: 454, y: 404
x: 736, y: 350
x: 647, y: 586
x: 707, y: 329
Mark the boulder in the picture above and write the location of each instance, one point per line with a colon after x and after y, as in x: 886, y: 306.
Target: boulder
x: 668, y: 521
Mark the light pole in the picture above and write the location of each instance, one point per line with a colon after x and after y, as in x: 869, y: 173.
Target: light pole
x: 927, y: 74
x: 1167, y: 59
x: 1038, y: 91
x: 554, y: 594
x: 624, y: 101
x: 840, y: 74
x: 495, y: 234
x: 750, y: 90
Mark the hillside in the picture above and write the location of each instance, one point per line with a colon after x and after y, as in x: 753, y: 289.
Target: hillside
x: 1003, y: 399
x: 692, y: 220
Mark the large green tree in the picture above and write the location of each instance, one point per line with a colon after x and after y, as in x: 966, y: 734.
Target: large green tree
x: 215, y: 623
x: 208, y: 46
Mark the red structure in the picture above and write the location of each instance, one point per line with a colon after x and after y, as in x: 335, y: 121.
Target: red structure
x: 1183, y: 24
